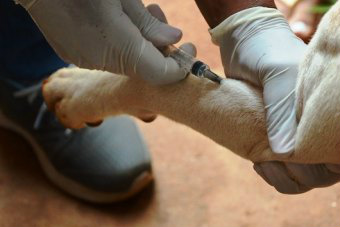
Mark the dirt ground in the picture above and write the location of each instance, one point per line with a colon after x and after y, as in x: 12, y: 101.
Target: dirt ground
x: 197, y: 183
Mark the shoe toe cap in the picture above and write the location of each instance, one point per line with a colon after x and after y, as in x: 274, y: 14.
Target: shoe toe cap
x: 110, y: 158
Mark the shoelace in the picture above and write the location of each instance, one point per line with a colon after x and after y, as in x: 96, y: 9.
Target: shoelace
x: 32, y: 93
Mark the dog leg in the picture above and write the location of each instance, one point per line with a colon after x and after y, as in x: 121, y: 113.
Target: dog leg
x: 232, y: 114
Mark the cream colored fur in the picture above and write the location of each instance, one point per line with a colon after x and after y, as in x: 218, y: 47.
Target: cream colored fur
x: 231, y: 114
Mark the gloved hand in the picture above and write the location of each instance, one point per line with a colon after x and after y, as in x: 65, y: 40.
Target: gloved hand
x: 289, y: 178
x: 118, y: 36
x: 258, y: 46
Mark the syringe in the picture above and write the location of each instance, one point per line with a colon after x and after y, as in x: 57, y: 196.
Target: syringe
x: 192, y: 65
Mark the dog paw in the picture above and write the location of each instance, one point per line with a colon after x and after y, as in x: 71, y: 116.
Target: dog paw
x: 73, y: 95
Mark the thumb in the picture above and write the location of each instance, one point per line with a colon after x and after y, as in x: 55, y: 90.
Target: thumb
x: 158, y: 13
x: 156, y: 69
x: 189, y: 48
x: 152, y: 66
x: 152, y: 23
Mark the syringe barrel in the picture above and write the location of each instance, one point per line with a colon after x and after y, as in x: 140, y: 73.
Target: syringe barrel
x: 184, y: 60
x: 191, y: 65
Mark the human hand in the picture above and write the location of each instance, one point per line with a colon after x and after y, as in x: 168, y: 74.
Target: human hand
x: 78, y: 96
x: 119, y: 36
x: 258, y: 46
x: 290, y: 178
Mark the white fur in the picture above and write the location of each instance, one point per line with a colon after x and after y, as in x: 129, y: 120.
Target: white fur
x: 231, y: 114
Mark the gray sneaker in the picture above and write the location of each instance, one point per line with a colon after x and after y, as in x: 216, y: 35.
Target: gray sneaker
x: 104, y: 164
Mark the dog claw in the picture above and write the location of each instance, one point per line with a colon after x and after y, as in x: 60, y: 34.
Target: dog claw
x: 94, y: 124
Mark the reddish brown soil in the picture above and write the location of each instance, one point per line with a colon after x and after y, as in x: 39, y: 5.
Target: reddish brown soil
x: 197, y: 183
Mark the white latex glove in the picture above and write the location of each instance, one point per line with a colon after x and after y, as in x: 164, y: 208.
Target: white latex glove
x: 290, y: 178
x: 118, y: 36
x: 258, y: 46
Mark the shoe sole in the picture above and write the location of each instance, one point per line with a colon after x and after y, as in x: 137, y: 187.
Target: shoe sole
x: 69, y: 185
